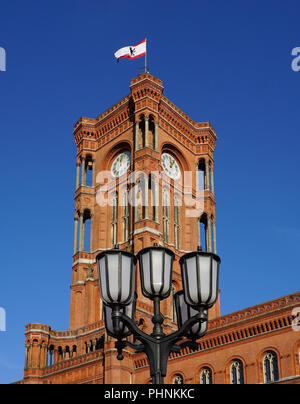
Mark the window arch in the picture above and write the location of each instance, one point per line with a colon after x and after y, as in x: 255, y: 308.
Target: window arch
x: 236, y: 372
x: 177, y: 379
x: 141, y: 129
x: 270, y: 367
x: 206, y: 376
x: 201, y: 175
x: 202, y: 232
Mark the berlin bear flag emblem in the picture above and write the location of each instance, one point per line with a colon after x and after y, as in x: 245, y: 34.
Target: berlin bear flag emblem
x: 132, y: 52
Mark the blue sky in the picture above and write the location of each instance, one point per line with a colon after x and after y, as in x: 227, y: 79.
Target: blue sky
x: 224, y: 62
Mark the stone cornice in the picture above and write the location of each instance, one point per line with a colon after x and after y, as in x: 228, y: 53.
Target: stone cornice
x: 254, y: 311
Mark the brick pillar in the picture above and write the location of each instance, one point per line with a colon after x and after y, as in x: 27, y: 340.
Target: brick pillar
x: 137, y: 139
x: 83, y: 172
x: 212, y: 180
x: 209, y: 234
x: 93, y: 174
x: 80, y: 231
x: 156, y: 136
x: 206, y: 174
x: 214, y: 237
x: 91, y: 233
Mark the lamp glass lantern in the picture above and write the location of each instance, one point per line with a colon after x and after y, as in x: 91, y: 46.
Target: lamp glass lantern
x: 156, y: 264
x: 184, y: 312
x: 128, y: 310
x: 117, y: 272
x: 200, y: 276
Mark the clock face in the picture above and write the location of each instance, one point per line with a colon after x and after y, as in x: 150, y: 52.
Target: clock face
x: 120, y: 164
x: 170, y: 166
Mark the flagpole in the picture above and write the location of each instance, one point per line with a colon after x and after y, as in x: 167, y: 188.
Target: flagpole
x: 146, y: 57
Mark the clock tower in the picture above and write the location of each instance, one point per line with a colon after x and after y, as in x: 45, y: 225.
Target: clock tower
x: 144, y: 176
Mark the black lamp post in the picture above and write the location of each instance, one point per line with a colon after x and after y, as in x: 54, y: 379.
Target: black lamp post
x: 117, y: 271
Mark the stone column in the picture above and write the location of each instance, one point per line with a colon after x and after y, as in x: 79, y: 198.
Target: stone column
x: 30, y: 355
x: 214, y: 237
x: 93, y: 174
x: 39, y: 356
x: 26, y: 356
x: 208, y: 247
x: 156, y: 135
x: 83, y: 235
x: 146, y: 131
x: 51, y: 357
x: 77, y: 175
x: 212, y: 180
x: 137, y: 138
x: 46, y: 356
x: 91, y: 234
x: 75, y: 235
x: 146, y: 196
x: 206, y: 174
x: 83, y: 172
x: 80, y: 231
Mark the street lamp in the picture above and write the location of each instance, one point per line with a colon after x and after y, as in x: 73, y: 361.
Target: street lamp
x: 117, y: 273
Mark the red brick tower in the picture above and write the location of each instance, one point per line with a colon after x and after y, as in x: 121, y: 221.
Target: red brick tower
x: 148, y: 139
x: 145, y: 156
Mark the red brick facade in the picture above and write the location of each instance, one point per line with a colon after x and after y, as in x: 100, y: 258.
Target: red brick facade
x: 144, y: 125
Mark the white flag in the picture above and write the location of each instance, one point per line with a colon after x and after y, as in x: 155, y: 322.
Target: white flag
x: 132, y: 52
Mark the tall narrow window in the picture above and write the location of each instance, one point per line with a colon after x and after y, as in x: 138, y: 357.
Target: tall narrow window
x: 176, y: 222
x: 201, y: 175
x: 114, y: 220
x: 151, y: 132
x: 236, y: 372
x: 154, y: 183
x: 142, y: 132
x: 270, y: 367
x: 206, y: 376
x: 203, y: 233
x: 126, y: 214
x: 89, y: 172
x: 165, y: 216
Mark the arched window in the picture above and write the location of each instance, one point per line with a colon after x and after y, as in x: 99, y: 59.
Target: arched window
x: 177, y: 379
x: 270, y: 367
x: 142, y: 132
x: 87, y: 228
x: 202, y: 236
x: 236, y: 372
x: 176, y: 222
x: 206, y: 376
x: 51, y: 355
x: 60, y: 354
x: 165, y: 216
x: 201, y: 175
x: 126, y: 214
x: 114, y: 220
